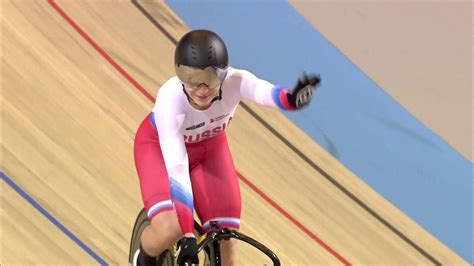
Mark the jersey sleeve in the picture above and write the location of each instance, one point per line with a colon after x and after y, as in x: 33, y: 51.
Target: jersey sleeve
x: 263, y: 92
x: 169, y: 119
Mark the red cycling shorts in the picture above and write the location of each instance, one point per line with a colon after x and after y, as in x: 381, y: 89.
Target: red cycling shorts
x: 214, y: 180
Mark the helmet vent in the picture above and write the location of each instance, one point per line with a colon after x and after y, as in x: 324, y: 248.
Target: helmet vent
x: 193, y: 51
x: 211, y: 52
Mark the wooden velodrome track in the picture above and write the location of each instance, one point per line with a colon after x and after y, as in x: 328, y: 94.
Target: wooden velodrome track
x: 72, y: 75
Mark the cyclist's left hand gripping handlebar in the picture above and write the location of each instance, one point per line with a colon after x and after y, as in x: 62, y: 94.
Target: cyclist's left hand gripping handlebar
x: 188, y: 252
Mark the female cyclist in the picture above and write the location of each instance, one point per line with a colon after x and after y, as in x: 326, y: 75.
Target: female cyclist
x: 181, y: 152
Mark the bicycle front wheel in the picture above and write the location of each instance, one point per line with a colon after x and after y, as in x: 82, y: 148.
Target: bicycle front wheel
x: 165, y: 259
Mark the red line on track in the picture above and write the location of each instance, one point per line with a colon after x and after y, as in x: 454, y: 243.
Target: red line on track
x: 101, y: 51
x: 292, y: 219
x: 152, y: 99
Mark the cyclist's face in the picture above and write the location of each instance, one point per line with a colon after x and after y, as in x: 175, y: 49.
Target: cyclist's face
x: 201, y: 95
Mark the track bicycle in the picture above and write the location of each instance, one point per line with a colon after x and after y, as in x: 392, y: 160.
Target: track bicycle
x: 207, y: 242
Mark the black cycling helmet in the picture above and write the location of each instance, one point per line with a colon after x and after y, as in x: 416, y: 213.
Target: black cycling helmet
x: 201, y: 58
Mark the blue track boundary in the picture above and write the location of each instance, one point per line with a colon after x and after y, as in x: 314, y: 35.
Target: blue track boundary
x: 51, y: 218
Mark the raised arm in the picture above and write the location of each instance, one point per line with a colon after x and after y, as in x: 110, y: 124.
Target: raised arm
x: 263, y: 92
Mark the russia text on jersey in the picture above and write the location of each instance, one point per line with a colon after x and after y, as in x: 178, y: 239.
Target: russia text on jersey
x: 208, y: 133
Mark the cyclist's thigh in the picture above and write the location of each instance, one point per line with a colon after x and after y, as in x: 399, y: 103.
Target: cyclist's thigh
x: 215, y: 185
x: 150, y: 165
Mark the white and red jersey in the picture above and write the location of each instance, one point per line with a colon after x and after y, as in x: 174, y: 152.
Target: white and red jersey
x: 178, y: 122
x: 197, y: 125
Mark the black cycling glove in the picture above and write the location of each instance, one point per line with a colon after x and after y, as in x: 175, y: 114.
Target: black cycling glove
x: 188, y: 250
x: 303, y: 90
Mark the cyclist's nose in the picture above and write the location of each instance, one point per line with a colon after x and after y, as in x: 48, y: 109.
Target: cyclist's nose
x: 203, y: 88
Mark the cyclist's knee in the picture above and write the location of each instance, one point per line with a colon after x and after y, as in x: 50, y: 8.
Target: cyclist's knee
x: 162, y: 233
x: 165, y: 225
x: 228, y: 249
x: 229, y: 244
